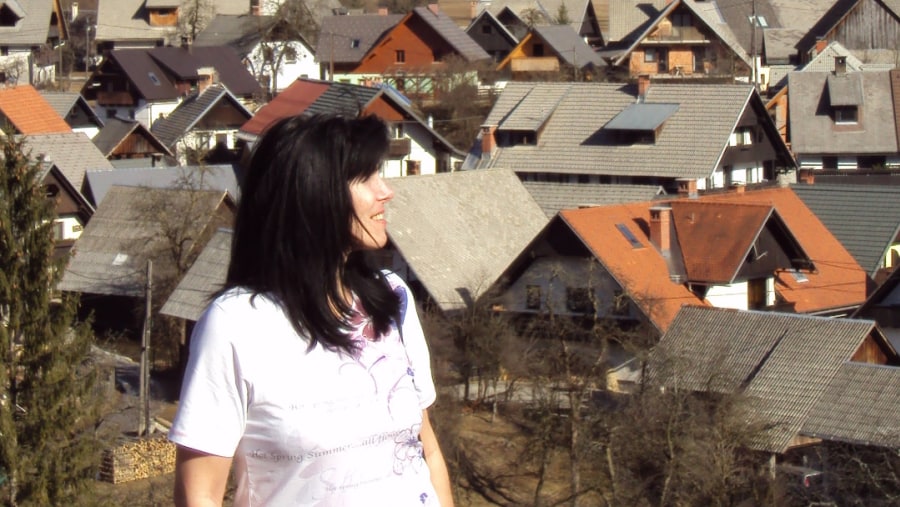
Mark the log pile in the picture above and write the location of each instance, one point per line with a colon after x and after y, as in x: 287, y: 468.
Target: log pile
x: 139, y: 459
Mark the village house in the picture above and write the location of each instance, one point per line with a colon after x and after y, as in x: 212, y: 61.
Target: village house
x: 492, y: 35
x: 31, y: 32
x: 546, y: 50
x: 76, y: 111
x: 128, y: 143
x: 520, y: 15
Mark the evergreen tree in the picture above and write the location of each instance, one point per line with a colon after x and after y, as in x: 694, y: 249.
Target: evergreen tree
x: 47, y: 401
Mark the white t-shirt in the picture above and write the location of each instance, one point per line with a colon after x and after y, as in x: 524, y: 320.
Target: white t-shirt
x: 308, y: 427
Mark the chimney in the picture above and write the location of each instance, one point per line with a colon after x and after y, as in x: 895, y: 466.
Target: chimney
x: 435, y: 8
x: 473, y: 9
x: 488, y: 141
x: 382, y: 11
x: 643, y: 86
x: 806, y: 176
x: 687, y: 187
x: 840, y: 64
x: 738, y: 187
x: 821, y: 44
x: 74, y: 11
x: 660, y: 230
x: 207, y: 76
x: 186, y: 42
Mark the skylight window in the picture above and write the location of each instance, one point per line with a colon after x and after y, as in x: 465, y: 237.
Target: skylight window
x: 153, y: 78
x: 798, y: 276
x: 120, y: 259
x: 629, y: 236
x: 758, y: 20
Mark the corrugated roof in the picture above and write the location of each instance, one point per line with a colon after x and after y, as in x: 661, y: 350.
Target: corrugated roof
x: 812, y: 131
x: 573, y: 141
x: 459, y: 231
x: 206, y: 276
x: 29, y: 112
x: 865, y: 218
x: 555, y: 196
x: 785, y: 361
x: 860, y: 405
x: 193, y: 109
x: 109, y: 258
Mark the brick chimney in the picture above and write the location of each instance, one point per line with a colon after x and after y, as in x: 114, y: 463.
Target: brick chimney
x: 821, y: 44
x: 687, y: 187
x: 660, y: 230
x: 488, y: 141
x: 434, y: 8
x: 643, y: 85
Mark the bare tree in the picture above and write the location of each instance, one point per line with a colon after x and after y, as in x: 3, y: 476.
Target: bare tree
x: 194, y: 15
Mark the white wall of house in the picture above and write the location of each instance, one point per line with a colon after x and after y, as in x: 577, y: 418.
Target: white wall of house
x: 203, y: 139
x: 303, y: 65
x: 728, y: 296
x: 421, y: 149
x: 144, y: 112
x: 88, y: 131
x: 67, y: 228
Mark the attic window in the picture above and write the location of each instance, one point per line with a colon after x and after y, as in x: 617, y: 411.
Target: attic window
x: 641, y: 122
x: 354, y: 43
x: 153, y: 78
x: 629, y: 236
x: 8, y: 17
x: 120, y: 259
x: 846, y: 115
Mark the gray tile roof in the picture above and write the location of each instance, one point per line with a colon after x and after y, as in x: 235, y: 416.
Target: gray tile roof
x: 783, y: 362
x: 548, y: 10
x: 570, y: 47
x: 812, y: 129
x: 241, y: 32
x: 33, y: 29
x: 779, y: 44
x: 338, y: 33
x: 573, y: 140
x: 864, y: 218
x: 61, y: 102
x: 73, y: 153
x: 629, y: 16
x: 206, y: 276
x: 553, y: 196
x: 736, y: 14
x: 192, y: 110
x: 465, y: 46
x: 129, y: 20
x: 221, y: 178
x: 110, y: 255
x: 861, y: 405
x: 461, y: 230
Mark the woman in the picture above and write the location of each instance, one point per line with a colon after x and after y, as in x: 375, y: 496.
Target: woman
x: 309, y: 373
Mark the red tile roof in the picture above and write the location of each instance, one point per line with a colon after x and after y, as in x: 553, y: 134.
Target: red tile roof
x: 294, y: 100
x: 29, y: 112
x: 837, y: 282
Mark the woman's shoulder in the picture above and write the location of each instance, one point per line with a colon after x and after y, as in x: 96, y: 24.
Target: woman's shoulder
x: 238, y: 300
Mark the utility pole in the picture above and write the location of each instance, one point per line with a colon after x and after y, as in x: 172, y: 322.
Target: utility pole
x: 144, y: 402
x: 754, y: 21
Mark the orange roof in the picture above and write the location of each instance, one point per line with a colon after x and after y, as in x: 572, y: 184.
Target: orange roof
x: 643, y: 272
x: 293, y: 100
x: 29, y: 112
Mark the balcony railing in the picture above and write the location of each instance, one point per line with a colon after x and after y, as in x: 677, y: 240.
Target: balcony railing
x: 676, y: 34
x: 399, y: 147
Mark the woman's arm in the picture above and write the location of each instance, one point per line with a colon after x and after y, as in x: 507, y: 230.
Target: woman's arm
x: 440, y: 477
x: 200, y: 478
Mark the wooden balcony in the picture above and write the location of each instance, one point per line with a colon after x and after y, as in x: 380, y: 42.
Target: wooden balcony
x: 400, y: 147
x: 115, y: 99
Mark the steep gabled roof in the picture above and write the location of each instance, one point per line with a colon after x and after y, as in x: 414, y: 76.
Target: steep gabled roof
x: 33, y: 26
x: 129, y: 20
x: 64, y: 102
x: 554, y: 196
x: 219, y: 177
x: 192, y: 110
x: 783, y: 362
x: 837, y: 284
x: 865, y: 218
x: 459, y: 231
x: 627, y: 18
x: 117, y: 130
x: 29, y: 112
x: 573, y: 139
x: 445, y: 28
x: 109, y: 255
x: 241, y: 32
x: 705, y: 12
x: 205, y: 277
x: 73, y: 153
x: 493, y: 21
x: 569, y: 46
x: 547, y: 11
x: 811, y: 124
x: 346, y: 39
x: 307, y: 96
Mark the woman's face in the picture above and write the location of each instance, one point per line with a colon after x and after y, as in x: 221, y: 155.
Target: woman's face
x: 369, y: 197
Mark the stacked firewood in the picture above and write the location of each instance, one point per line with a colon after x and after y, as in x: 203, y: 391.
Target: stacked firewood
x: 138, y: 459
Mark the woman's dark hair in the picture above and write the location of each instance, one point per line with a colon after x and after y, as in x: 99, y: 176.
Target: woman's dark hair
x: 292, y: 236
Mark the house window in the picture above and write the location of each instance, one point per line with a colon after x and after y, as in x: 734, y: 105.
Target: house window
x: 486, y: 29
x: 538, y: 50
x: 578, y: 300
x: 400, y: 56
x: 845, y: 115
x: 756, y: 294
x: 683, y: 19
x: 759, y: 21
x: 650, y: 55
x: 397, y: 131
x: 533, y: 297
x: 354, y: 43
x: 58, y: 230
x: 222, y: 140
x: 110, y: 113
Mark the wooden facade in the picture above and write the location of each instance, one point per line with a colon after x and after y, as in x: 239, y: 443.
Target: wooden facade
x: 164, y: 17
x: 873, y: 351
x: 869, y: 25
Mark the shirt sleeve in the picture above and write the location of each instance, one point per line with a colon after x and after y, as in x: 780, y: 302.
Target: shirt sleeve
x: 415, y: 343
x: 212, y: 411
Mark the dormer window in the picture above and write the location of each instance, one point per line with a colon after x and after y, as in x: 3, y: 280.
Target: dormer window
x: 354, y: 43
x: 8, y: 17
x: 846, y: 115
x: 640, y: 123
